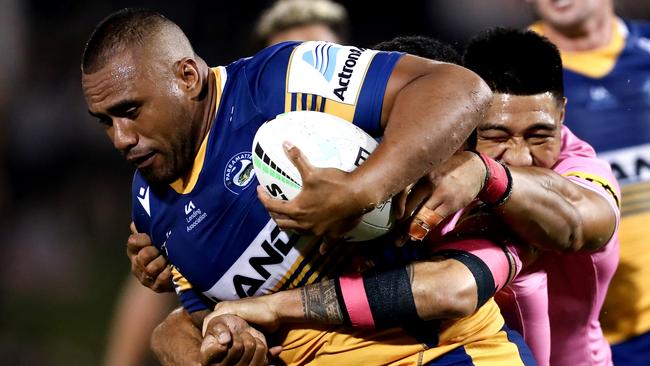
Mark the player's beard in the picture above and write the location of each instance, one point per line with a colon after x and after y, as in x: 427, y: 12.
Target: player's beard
x: 176, y: 163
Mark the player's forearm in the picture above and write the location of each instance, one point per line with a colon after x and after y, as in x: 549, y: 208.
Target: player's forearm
x: 427, y: 290
x: 177, y: 341
x: 550, y: 212
x: 429, y: 118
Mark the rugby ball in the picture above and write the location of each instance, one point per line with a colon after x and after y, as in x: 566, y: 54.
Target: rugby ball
x: 326, y: 141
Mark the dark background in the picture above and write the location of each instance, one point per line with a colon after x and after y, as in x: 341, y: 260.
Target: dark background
x: 64, y: 191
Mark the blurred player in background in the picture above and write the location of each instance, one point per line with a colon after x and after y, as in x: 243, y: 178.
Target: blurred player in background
x: 139, y: 310
x: 607, y: 82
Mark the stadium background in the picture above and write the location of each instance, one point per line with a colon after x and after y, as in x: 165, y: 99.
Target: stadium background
x: 64, y: 191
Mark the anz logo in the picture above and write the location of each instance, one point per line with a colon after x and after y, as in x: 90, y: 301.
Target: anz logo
x: 274, y: 250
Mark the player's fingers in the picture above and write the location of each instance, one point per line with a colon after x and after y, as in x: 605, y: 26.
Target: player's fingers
x: 146, y: 255
x: 272, y: 205
x: 298, y: 159
x: 425, y: 220
x: 163, y: 283
x: 289, y: 224
x: 135, y: 242
x: 156, y: 266
x: 275, y: 351
x: 260, y: 354
x: 132, y: 227
x: 249, y: 345
x: 235, y: 350
x: 212, y: 350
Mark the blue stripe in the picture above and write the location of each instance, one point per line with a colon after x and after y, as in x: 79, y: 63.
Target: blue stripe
x: 303, y: 102
x: 634, y: 351
x: 293, y: 101
x: 323, y: 61
x: 368, y: 111
x: 524, y: 352
x: 314, y: 98
x: 457, y: 357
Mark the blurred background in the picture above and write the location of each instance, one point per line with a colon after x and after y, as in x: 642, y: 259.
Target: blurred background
x: 64, y: 191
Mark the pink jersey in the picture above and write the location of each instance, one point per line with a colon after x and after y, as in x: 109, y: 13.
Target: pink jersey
x: 567, y: 312
x: 577, y: 282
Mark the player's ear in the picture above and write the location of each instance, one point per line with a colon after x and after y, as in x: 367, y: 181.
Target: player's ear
x: 562, y: 106
x: 187, y: 73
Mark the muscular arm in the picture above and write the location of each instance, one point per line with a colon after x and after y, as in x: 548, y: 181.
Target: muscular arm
x: 549, y: 211
x: 429, y: 110
x: 442, y: 288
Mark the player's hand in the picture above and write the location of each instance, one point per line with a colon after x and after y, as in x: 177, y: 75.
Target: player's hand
x: 441, y: 193
x: 326, y: 206
x: 147, y: 264
x: 230, y: 340
x: 255, y: 310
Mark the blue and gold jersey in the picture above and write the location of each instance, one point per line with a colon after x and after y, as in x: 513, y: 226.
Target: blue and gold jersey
x: 608, y: 92
x: 212, y: 228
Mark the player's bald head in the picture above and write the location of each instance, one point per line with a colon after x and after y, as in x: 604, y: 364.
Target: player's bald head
x: 134, y: 30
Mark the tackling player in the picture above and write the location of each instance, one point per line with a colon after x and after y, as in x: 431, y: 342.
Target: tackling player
x: 607, y: 74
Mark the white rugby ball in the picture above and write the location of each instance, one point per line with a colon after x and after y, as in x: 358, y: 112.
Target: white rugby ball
x: 326, y: 141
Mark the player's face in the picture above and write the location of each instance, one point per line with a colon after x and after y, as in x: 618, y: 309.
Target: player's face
x: 569, y: 13
x: 145, y: 113
x: 522, y: 130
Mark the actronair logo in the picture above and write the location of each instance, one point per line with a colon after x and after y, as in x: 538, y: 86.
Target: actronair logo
x: 346, y: 74
x: 323, y: 59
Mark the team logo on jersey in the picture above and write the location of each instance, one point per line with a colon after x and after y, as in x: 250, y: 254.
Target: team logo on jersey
x: 329, y: 70
x: 319, y: 58
x: 239, y: 172
x: 143, y: 198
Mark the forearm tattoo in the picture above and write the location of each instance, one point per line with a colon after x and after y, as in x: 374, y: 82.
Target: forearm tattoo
x: 320, y: 303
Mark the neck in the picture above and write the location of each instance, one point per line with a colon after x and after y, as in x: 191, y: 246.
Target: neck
x: 209, y: 108
x: 593, y: 33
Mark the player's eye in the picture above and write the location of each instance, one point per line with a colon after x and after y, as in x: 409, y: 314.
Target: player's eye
x: 106, y: 121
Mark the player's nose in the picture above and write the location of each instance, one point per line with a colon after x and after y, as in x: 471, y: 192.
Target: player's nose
x: 124, y: 136
x: 517, y: 154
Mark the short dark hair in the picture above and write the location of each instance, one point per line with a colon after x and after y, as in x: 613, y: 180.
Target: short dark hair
x: 116, y: 32
x: 421, y: 46
x: 515, y: 61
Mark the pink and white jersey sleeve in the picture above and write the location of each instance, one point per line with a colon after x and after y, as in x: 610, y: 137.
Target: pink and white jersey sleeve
x: 577, y: 282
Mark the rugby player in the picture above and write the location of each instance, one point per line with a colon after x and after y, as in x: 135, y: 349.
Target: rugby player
x: 606, y: 75
x: 158, y: 101
x: 138, y: 310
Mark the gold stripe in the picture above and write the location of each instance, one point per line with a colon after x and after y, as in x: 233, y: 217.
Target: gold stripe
x: 180, y: 282
x: 595, y: 63
x: 496, y: 353
x: 345, y: 111
x: 597, y: 179
x: 319, y: 102
x: 180, y: 185
x: 307, y: 248
x: 308, y: 105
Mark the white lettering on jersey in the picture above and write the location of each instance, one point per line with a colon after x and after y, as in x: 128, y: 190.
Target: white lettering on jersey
x: 143, y: 198
x: 631, y: 164
x: 330, y: 70
x: 265, y: 262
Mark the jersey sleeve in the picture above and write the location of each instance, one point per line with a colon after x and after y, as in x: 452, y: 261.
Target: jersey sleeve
x: 345, y: 81
x: 191, y: 300
x: 140, y: 205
